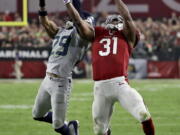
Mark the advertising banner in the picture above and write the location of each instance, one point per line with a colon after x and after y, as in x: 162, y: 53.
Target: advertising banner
x: 22, y: 69
x: 23, y: 62
x: 24, y: 53
x: 163, y: 69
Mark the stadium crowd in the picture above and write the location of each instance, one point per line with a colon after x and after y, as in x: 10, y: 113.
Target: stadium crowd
x: 155, y: 34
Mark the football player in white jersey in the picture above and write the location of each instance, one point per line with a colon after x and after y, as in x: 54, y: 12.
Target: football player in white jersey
x: 68, y: 47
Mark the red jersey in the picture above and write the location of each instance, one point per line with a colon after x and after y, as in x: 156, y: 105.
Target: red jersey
x: 110, y: 54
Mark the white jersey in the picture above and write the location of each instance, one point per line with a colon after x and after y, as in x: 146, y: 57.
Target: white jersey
x: 67, y: 49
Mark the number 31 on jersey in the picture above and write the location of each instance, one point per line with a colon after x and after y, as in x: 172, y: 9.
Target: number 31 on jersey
x: 107, y: 46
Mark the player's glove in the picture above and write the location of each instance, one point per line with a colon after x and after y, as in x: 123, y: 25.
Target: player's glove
x: 66, y: 1
x: 42, y: 3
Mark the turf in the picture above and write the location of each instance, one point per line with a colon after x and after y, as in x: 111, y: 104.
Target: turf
x: 161, y: 96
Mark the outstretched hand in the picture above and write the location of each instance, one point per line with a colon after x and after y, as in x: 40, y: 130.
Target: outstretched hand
x: 42, y: 3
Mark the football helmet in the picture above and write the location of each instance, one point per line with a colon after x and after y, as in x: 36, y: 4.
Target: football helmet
x: 114, y: 22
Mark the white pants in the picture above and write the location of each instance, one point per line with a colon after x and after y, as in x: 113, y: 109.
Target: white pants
x: 53, y: 94
x: 106, y: 93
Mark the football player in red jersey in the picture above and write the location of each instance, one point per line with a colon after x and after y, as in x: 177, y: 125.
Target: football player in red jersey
x: 112, y: 46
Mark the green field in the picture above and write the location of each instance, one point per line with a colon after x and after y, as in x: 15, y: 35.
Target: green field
x: 161, y: 96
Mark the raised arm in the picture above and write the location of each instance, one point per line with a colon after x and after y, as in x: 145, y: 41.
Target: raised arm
x: 85, y: 29
x: 50, y: 27
x: 129, y: 28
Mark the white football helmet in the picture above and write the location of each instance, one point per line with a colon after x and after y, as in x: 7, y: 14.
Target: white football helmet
x: 114, y: 22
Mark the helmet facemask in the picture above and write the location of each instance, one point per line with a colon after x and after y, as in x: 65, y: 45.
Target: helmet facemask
x: 114, y: 22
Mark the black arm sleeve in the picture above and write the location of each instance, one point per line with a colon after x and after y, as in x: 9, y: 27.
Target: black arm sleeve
x: 42, y: 3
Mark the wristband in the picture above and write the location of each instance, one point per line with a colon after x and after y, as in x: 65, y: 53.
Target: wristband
x: 42, y: 3
x: 66, y: 1
x: 42, y: 13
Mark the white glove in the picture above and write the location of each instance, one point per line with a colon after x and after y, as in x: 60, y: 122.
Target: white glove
x: 66, y: 1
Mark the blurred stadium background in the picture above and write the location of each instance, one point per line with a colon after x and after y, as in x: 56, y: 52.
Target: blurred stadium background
x: 154, y: 68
